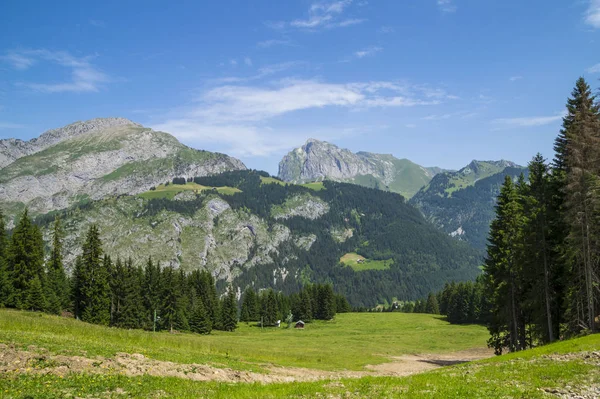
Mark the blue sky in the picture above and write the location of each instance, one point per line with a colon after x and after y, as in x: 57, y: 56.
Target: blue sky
x: 440, y: 82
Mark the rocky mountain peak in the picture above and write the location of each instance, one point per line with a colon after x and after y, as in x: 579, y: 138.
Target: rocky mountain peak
x: 79, y: 128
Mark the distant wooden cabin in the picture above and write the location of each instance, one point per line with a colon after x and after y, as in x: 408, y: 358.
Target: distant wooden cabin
x: 299, y: 324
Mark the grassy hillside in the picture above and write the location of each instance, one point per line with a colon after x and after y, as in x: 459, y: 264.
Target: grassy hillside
x: 350, y: 342
x: 170, y: 191
x: 564, y: 369
x: 359, y: 263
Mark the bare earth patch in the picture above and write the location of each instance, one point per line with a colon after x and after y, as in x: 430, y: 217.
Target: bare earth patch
x: 36, y: 360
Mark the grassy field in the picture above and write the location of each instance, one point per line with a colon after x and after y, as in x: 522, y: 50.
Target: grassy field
x: 352, y: 259
x: 349, y: 342
x: 316, y: 186
x: 566, y: 367
x: 172, y: 190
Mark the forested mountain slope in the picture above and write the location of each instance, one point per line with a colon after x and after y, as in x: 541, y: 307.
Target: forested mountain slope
x: 462, y: 203
x: 275, y: 235
x: 94, y: 159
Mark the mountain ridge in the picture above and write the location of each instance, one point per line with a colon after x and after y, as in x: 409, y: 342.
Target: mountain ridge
x: 319, y: 160
x: 98, y: 158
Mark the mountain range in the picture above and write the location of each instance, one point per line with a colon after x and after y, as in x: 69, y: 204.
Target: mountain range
x: 152, y: 196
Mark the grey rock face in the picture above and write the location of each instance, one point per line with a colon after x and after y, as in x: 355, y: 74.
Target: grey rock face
x: 318, y: 160
x: 99, y: 158
x: 13, y: 149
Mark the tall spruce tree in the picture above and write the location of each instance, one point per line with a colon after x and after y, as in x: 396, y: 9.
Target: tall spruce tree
x: 92, y: 288
x: 503, y: 272
x: 432, y: 306
x: 200, y: 322
x: 229, y: 311
x: 250, y: 308
x: 58, y: 284
x: 540, y: 259
x: 25, y: 260
x: 582, y: 204
x: 5, y: 280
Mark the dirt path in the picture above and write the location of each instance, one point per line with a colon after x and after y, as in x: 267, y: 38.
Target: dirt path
x: 37, y: 360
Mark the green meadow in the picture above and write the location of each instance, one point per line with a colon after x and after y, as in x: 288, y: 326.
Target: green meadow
x: 351, y: 341
x: 170, y: 191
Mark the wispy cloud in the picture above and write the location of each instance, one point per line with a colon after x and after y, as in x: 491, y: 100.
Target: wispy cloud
x: 248, y: 61
x: 367, y: 52
x: 85, y: 77
x: 446, y: 5
x: 515, y: 78
x: 8, y: 125
x: 238, y: 116
x: 594, y: 69
x: 97, y: 23
x: 452, y: 115
x: 387, y: 29
x: 273, y: 42
x: 263, y: 72
x: 592, y: 14
x: 321, y: 15
x: 529, y: 121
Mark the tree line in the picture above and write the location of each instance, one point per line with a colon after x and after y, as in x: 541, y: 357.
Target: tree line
x: 121, y: 294
x: 542, y: 271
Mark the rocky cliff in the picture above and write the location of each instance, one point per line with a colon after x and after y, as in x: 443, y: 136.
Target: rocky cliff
x: 95, y: 159
x: 319, y: 160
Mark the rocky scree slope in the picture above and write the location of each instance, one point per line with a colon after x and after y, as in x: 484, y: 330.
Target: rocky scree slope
x: 95, y: 159
x: 318, y: 160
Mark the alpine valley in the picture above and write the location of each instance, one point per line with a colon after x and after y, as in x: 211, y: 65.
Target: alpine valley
x: 379, y: 228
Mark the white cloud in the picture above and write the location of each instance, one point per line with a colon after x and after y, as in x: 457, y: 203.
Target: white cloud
x: 515, y: 78
x: 237, y: 116
x: 369, y: 51
x: 326, y: 14
x: 446, y: 5
x: 592, y: 14
x: 233, y: 62
x: 18, y: 61
x: 410, y: 126
x: 85, y: 77
x: 594, y: 69
x: 248, y: 61
x: 529, y: 121
x: 273, y: 42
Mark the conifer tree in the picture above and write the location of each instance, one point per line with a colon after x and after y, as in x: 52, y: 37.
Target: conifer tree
x: 432, y: 306
x: 58, y: 284
x: 250, y: 310
x: 503, y: 271
x: 132, y: 310
x: 92, y: 281
x: 229, y: 310
x: 152, y: 291
x: 5, y: 280
x: 582, y: 204
x: 36, y: 299
x: 326, y: 310
x: 200, y: 322
x: 269, y: 309
x: 25, y: 260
